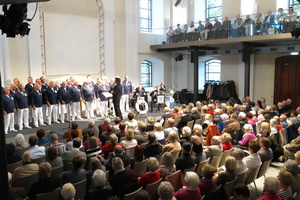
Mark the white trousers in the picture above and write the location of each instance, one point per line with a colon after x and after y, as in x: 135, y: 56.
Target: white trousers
x: 37, y: 116
x: 89, y: 112
x: 9, y: 121
x: 64, y: 108
x: 23, y: 117
x: 124, y: 104
x: 45, y: 111
x: 52, y: 113
x: 103, y: 107
x: 75, y: 107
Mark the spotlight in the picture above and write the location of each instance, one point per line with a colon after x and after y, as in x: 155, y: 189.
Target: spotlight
x: 179, y: 58
x: 177, y: 3
x: 295, y: 33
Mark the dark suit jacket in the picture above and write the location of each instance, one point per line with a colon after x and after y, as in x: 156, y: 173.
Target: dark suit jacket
x: 195, y: 116
x: 185, y: 161
x: 117, y: 93
x: 124, y: 182
x: 183, y: 121
x: 43, y: 186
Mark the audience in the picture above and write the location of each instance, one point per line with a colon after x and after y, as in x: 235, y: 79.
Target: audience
x: 131, y: 122
x: 215, y: 149
x: 153, y: 148
x: 129, y: 139
x: 141, y: 136
x: 170, y: 127
x: 173, y: 144
x: 253, y: 160
x: 166, y: 191
x: 160, y: 136
x: 67, y: 135
x: 207, y: 183
x: 271, y: 188
x: 294, y: 146
x: 168, y: 166
x: 20, y: 142
x: 191, y: 190
x: 186, y: 135
x: 34, y: 149
x: 54, y: 142
x: 15, y: 192
x: 52, y: 157
x: 91, y: 126
x: 226, y: 141
x: 10, y: 154
x: 200, y: 156
x: 186, y: 160
x: 286, y: 180
x: 291, y: 166
x: 197, y: 137
x: 241, y: 192
x: 229, y: 174
x: 69, y: 145
x: 238, y: 154
x: 41, y: 135
x: 68, y: 191
x: 265, y: 153
x: 68, y: 156
x: 152, y: 176
x: 93, y: 148
x: 76, y: 174
x: 248, y: 135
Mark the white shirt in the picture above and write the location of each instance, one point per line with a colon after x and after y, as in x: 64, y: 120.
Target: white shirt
x: 240, y: 167
x: 159, y: 135
x: 252, y: 161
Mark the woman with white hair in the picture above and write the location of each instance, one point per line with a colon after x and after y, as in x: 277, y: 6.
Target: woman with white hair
x: 186, y: 135
x: 20, y: 142
x: 173, y: 144
x: 100, y: 190
x: 68, y: 191
x: 165, y: 191
x: 168, y: 167
x: 197, y: 137
x: 191, y: 191
x: 248, y: 135
x: 271, y: 188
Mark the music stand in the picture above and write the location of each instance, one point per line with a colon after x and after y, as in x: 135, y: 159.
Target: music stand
x: 160, y: 100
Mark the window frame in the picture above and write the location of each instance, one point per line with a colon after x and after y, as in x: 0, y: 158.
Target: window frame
x: 149, y: 73
x: 293, y: 3
x: 209, y: 62
x: 208, y: 8
x: 148, y: 19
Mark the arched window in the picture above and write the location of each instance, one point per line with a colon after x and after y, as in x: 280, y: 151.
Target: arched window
x: 212, y: 71
x: 294, y: 3
x: 213, y: 9
x: 146, y: 73
x: 146, y: 15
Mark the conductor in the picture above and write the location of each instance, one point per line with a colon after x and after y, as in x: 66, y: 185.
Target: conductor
x: 117, y: 94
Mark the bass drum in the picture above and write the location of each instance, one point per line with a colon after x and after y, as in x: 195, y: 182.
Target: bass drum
x: 141, y: 107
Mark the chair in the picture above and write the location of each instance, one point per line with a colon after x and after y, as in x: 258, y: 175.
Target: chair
x: 80, y: 189
x: 215, y: 161
x: 26, y: 181
x: 38, y: 160
x: 263, y: 169
x: 13, y: 166
x: 152, y: 189
x: 54, y: 195
x: 140, y: 167
x: 63, y: 141
x: 130, y: 151
x: 228, y: 187
x: 199, y: 167
x: 176, y: 179
x: 82, y: 149
x: 160, y: 159
x: 57, y: 171
x: 241, y: 178
x: 225, y: 154
x: 176, y: 120
x: 131, y: 195
x: 198, y: 121
x: 68, y: 166
x: 192, y: 169
x: 19, y: 152
x: 190, y: 124
x: 175, y: 155
x: 252, y: 177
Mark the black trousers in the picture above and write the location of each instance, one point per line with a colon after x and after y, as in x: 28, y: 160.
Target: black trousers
x: 118, y: 112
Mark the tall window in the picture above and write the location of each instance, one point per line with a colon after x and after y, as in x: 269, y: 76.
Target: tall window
x: 213, y: 70
x: 146, y: 15
x: 146, y: 73
x: 294, y: 3
x: 213, y: 9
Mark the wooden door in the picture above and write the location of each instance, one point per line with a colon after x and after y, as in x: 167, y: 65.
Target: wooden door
x: 287, y: 68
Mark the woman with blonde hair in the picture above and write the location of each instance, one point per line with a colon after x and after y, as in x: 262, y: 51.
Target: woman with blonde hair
x: 93, y: 149
x: 150, y: 123
x: 229, y: 174
x: 286, y: 180
x: 152, y: 176
x: 129, y: 139
x: 226, y: 141
x: 265, y: 129
x: 197, y: 137
x: 158, y: 132
x: 168, y: 167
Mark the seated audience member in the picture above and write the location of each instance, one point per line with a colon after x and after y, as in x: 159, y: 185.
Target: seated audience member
x: 248, y: 135
x: 68, y: 156
x: 10, y: 154
x: 131, y: 122
x: 191, y: 190
x: 139, y: 153
x: 94, y: 164
x: 175, y: 112
x: 197, y: 137
x: 165, y: 191
x: 110, y: 147
x: 241, y: 192
x: 52, y: 157
x: 103, y: 127
x: 150, y: 123
x: 286, y: 180
x: 93, y: 149
x: 211, y: 131
x: 168, y: 166
x: 275, y: 141
x: 74, y: 126
x: 265, y: 153
x: 122, y: 127
x: 34, y: 149
x: 54, y: 142
x: 239, y: 154
x: 68, y: 191
x: 199, y: 154
x: 207, y: 183
x: 116, y: 128
x: 153, y: 148
x: 253, y: 160
x: 91, y: 126
x: 69, y: 144
x: 291, y: 166
x: 170, y: 127
x: 129, y: 139
x: 20, y: 141
x: 215, y: 149
x: 186, y: 135
x: 173, y: 145
x: 41, y: 135
x: 76, y: 174
x: 229, y: 173
x: 152, y: 176
x: 297, y: 158
x: 46, y: 183
x: 91, y: 133
x: 265, y: 129
x: 185, y: 118
x: 28, y: 168
x: 291, y: 148
x: 233, y: 125
x: 226, y: 141
x: 100, y: 191
x: 271, y: 188
x: 194, y: 113
x: 15, y: 192
x: 160, y: 136
x: 141, y: 136
x: 118, y: 152
x: 167, y: 114
x: 105, y: 136
x: 123, y: 181
x: 142, y: 195
x: 186, y: 160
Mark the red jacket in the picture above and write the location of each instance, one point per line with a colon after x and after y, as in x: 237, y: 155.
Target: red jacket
x: 148, y: 178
